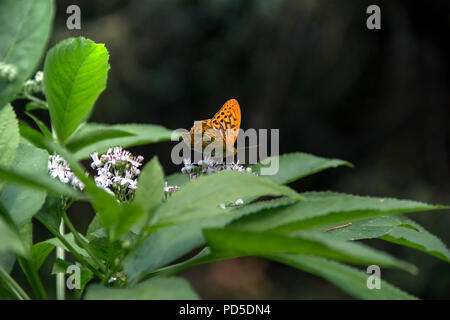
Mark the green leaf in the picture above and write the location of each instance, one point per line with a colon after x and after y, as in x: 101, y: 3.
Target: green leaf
x: 91, y: 137
x: 75, y: 73
x: 294, y: 166
x: 117, y: 218
x: 9, y: 135
x: 10, y: 240
x: 45, y: 131
x: 177, y: 179
x: 150, y: 191
x: 419, y: 239
x: 153, y: 289
x: 95, y: 229
x: 71, y: 240
x: 369, y: 228
x: 202, y: 198
x: 24, y: 30
x: 39, y: 253
x: 231, y: 241
x: 349, y: 279
x: 38, y: 182
x: 21, y: 202
x: 50, y: 212
x: 165, y: 245
x: 104, y: 249
x: 7, y: 260
x: 137, y: 134
x: 326, y: 208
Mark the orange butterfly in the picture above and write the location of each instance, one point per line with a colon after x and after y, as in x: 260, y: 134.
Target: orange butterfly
x: 223, y: 127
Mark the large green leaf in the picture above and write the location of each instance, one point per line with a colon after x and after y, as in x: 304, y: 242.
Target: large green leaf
x: 150, y: 191
x: 153, y: 289
x: 24, y: 30
x: 22, y: 202
x: 419, y: 238
x: 75, y: 73
x: 38, y: 182
x: 349, y: 279
x: 202, y: 198
x: 165, y: 245
x: 231, y: 241
x: 293, y: 166
x: 124, y: 135
x: 324, y: 208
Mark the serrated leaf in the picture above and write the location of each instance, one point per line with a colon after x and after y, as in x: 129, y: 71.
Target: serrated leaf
x: 294, y: 166
x: 202, y: 198
x: 326, y: 208
x: 165, y: 245
x: 419, y: 239
x: 75, y: 73
x: 231, y: 241
x: 24, y: 30
x: 369, y: 228
x: 153, y: 289
x: 349, y: 279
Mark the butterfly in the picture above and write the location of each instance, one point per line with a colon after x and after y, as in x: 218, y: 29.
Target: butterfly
x: 223, y: 127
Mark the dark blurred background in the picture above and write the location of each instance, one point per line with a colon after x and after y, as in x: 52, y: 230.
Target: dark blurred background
x: 377, y: 98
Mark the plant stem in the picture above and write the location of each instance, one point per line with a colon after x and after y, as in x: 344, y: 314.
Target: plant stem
x: 60, y: 277
x: 33, y: 278
x: 72, y: 250
x: 38, y: 101
x: 12, y: 286
x: 81, y: 241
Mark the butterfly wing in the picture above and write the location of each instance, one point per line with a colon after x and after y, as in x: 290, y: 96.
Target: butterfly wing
x: 228, y: 121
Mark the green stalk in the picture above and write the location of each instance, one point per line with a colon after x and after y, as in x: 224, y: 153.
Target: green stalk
x: 81, y: 241
x: 12, y: 286
x: 60, y: 277
x: 33, y: 278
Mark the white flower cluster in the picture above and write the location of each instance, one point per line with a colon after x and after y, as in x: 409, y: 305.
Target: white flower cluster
x: 210, y: 165
x: 35, y: 85
x: 117, y: 172
x: 58, y: 168
x: 8, y: 71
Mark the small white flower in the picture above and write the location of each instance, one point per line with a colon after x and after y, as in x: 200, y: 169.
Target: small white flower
x: 239, y: 202
x: 96, y: 163
x: 58, y: 168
